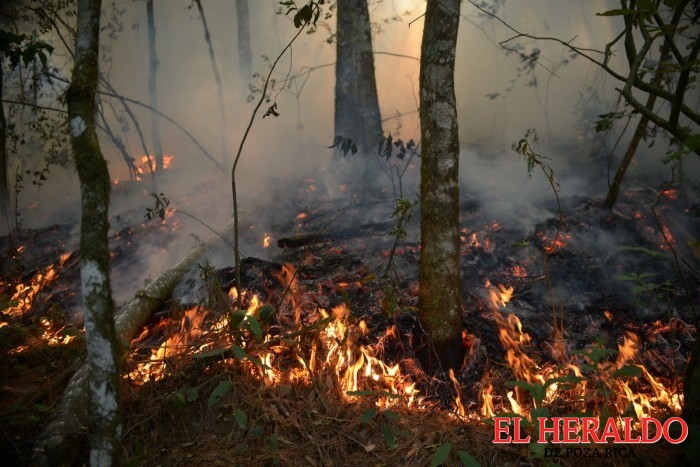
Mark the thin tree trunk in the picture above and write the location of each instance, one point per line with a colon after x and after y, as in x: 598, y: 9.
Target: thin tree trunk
x: 245, y: 57
x: 98, y: 307
x: 439, y: 307
x: 219, y: 87
x: 62, y: 441
x: 152, y: 87
x: 356, y: 104
x: 4, y: 181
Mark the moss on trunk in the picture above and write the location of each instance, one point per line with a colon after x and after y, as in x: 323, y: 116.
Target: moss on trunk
x: 439, y: 297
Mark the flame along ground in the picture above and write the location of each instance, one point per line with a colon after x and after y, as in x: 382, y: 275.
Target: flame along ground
x: 332, y: 346
x: 23, y: 298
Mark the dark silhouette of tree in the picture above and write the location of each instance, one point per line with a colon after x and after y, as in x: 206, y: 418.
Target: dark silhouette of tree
x: 664, y: 69
x: 356, y: 104
x: 439, y: 307
x: 152, y: 85
x: 245, y: 57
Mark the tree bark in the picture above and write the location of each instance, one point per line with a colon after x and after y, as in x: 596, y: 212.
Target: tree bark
x: 439, y: 305
x: 356, y: 104
x: 152, y: 88
x: 98, y: 307
x: 62, y: 441
x: 245, y: 57
x: 4, y: 181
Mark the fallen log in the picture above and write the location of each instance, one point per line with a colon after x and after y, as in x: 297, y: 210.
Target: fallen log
x: 364, y: 230
x: 65, y: 436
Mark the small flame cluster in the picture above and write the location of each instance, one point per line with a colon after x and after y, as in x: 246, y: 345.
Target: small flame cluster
x: 24, y: 297
x: 565, y: 384
x: 338, y: 355
x: 25, y: 293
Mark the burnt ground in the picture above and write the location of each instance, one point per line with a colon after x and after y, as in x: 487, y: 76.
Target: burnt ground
x: 611, y: 272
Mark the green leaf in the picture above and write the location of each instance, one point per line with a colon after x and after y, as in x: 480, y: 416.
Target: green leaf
x: 192, y: 395
x: 647, y: 5
x: 441, y: 454
x: 617, y: 12
x: 219, y: 392
x: 240, y: 353
x: 641, y: 249
x: 389, y: 438
x: 628, y: 370
x: 467, y: 459
x: 368, y: 415
x: 692, y: 142
x: 235, y: 318
x: 255, y: 326
x: 179, y: 400
x: 241, y: 418
x: 266, y: 312
x: 211, y: 353
x: 360, y: 393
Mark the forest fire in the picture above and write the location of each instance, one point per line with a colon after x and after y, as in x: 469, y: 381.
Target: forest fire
x: 25, y: 293
x: 421, y: 292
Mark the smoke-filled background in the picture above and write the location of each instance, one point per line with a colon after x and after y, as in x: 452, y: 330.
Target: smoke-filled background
x: 499, y: 98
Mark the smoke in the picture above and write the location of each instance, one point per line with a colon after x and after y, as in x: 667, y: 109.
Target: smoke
x: 498, y: 100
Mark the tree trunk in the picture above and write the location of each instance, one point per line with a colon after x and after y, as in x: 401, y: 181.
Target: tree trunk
x: 356, y: 104
x: 98, y: 307
x: 4, y: 181
x: 439, y: 305
x: 219, y: 86
x: 245, y: 57
x: 152, y: 93
x: 62, y: 441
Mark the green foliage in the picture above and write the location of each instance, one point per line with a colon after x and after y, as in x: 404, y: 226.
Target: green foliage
x: 641, y: 249
x: 241, y: 418
x: 306, y: 15
x: 344, y: 144
x: 467, y: 459
x: 402, y: 214
x: 18, y: 47
x: 160, y: 207
x: 389, y: 301
x: 606, y: 121
x: 441, y: 454
x: 219, y: 391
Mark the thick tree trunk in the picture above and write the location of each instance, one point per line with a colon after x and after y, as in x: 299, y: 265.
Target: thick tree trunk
x: 245, y: 57
x: 152, y: 87
x: 4, y: 181
x: 439, y: 305
x: 219, y: 86
x: 63, y: 440
x: 98, y: 307
x: 356, y: 104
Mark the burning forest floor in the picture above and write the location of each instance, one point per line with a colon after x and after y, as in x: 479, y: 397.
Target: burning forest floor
x: 585, y: 314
